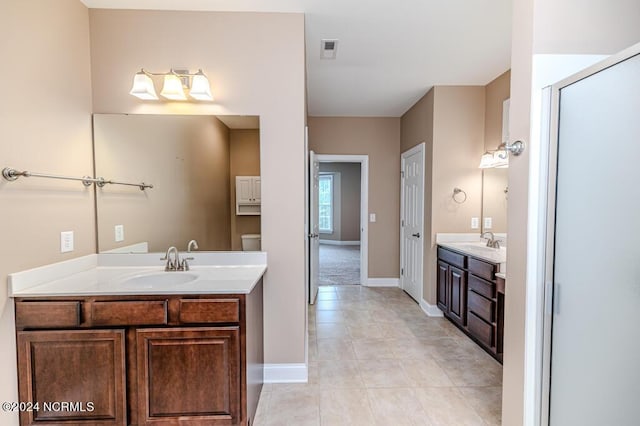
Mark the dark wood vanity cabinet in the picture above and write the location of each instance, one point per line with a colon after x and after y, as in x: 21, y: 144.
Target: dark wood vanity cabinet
x: 469, y: 296
x: 141, y: 360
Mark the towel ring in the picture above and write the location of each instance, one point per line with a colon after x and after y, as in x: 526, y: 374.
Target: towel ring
x: 457, y: 191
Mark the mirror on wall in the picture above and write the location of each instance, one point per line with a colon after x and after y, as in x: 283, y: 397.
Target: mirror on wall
x: 193, y: 163
x: 495, y: 193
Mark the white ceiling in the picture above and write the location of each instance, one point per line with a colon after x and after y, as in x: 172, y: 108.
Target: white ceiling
x: 390, y: 53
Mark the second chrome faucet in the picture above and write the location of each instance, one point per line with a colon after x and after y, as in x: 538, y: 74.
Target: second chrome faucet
x: 176, y: 264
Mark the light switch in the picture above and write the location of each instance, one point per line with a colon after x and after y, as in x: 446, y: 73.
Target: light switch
x: 119, y: 231
x: 475, y: 223
x: 372, y: 217
x: 488, y: 223
x: 66, y: 241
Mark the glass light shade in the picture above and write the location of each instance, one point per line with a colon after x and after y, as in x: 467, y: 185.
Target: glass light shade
x: 200, y: 88
x: 500, y: 159
x: 487, y: 161
x: 143, y: 87
x: 172, y: 88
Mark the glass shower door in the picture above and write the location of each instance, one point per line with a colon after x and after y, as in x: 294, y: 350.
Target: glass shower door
x: 595, y: 334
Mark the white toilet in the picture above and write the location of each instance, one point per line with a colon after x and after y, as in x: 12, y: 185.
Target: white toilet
x: 250, y: 242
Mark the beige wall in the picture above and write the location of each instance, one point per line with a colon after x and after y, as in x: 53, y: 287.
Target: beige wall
x: 245, y: 161
x: 379, y: 138
x: 347, y: 207
x: 186, y: 158
x: 45, y: 117
x: 550, y: 27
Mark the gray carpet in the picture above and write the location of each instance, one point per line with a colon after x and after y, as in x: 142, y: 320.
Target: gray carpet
x: 339, y: 265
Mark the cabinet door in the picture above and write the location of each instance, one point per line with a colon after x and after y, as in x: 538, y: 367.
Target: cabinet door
x: 457, y: 295
x: 81, y: 367
x: 256, y: 189
x: 189, y: 375
x: 443, y: 292
x: 244, y: 190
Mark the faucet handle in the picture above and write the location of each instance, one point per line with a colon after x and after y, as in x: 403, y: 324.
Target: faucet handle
x: 184, y: 265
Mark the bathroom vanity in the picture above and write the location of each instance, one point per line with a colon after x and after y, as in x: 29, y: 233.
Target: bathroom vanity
x: 124, y: 352
x: 470, y: 294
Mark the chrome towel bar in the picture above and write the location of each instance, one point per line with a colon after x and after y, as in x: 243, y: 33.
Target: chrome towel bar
x: 12, y: 174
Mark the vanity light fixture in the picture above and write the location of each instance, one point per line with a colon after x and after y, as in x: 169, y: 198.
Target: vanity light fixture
x: 174, y: 86
x: 499, y: 158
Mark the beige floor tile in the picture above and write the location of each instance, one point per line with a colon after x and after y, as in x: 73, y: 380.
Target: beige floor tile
x: 487, y: 401
x: 335, y: 349
x: 330, y: 305
x: 343, y: 374
x: 345, y: 407
x: 373, y: 349
x: 291, y: 401
x: 397, y: 407
x: 410, y: 348
x: 472, y: 371
x: 327, y: 295
x: 382, y: 373
x: 330, y: 316
x: 447, y: 407
x: 425, y: 372
x: 332, y: 330
x: 365, y: 331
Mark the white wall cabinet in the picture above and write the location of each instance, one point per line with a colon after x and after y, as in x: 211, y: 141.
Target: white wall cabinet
x: 247, y: 195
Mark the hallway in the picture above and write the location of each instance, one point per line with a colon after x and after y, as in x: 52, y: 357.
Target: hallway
x: 376, y: 359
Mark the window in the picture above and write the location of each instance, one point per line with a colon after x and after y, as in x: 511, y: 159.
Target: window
x: 325, y: 202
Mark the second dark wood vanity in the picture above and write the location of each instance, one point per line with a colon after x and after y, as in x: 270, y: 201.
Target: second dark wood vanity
x: 141, y: 360
x: 472, y: 297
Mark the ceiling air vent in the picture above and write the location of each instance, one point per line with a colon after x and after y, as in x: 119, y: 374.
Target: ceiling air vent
x: 328, y: 48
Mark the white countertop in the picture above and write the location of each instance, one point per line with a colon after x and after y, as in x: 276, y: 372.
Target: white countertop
x: 141, y: 274
x: 472, y: 245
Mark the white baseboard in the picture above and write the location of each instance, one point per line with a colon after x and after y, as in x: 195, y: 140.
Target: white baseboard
x: 340, y: 243
x: 286, y: 373
x: 430, y: 310
x: 383, y: 282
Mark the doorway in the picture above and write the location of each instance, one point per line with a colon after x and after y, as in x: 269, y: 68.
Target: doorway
x: 339, y: 223
x: 338, y: 217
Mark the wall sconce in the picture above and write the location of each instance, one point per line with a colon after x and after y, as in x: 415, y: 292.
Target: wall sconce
x: 175, y: 83
x: 499, y: 158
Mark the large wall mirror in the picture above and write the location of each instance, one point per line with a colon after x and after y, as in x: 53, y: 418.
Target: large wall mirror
x: 193, y: 163
x: 495, y: 193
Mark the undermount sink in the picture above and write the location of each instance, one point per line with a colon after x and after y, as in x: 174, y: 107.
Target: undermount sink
x: 159, y: 279
x: 479, y: 246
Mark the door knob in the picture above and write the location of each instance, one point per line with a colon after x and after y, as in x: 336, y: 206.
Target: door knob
x: 417, y: 235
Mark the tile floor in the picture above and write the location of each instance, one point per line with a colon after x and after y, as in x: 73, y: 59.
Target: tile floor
x: 376, y: 359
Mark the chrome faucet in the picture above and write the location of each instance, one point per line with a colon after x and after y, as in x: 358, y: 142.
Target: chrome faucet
x: 491, y: 240
x: 192, y: 245
x: 172, y: 265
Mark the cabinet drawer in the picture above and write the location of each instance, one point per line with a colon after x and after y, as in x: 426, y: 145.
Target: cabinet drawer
x: 480, y: 329
x: 452, y: 258
x: 481, y: 306
x: 47, y: 314
x: 480, y: 286
x: 145, y: 312
x: 194, y: 311
x: 482, y: 269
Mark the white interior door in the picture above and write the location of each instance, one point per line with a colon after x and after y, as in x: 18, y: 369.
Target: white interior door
x: 595, y: 340
x: 314, y: 233
x: 412, y: 217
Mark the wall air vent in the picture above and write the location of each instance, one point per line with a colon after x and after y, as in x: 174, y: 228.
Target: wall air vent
x: 328, y: 48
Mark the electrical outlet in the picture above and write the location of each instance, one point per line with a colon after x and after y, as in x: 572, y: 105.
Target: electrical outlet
x: 119, y: 231
x: 475, y: 223
x: 66, y: 241
x: 372, y: 217
x: 488, y: 223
